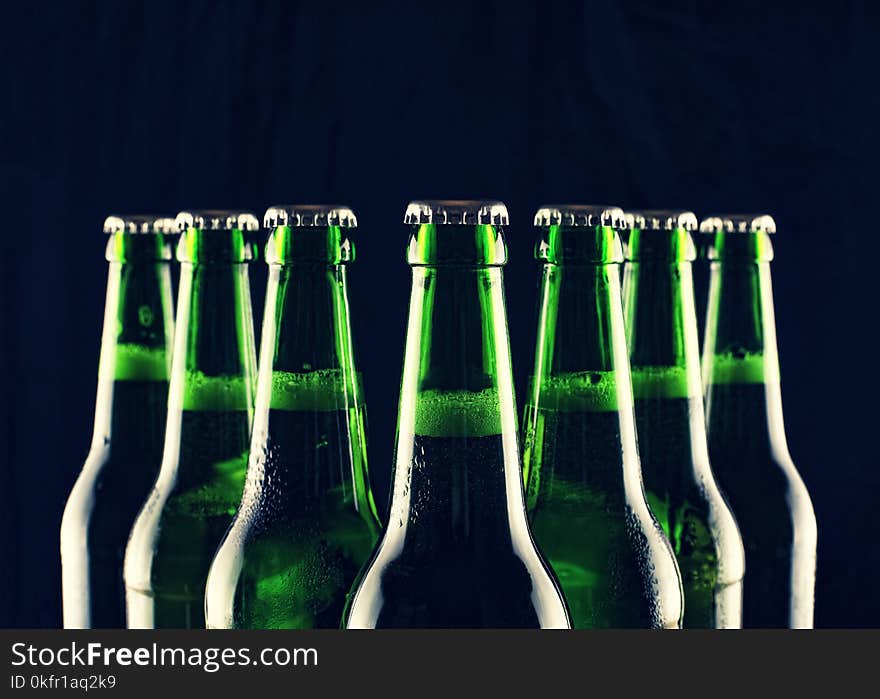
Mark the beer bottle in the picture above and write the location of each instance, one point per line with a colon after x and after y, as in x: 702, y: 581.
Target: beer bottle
x: 661, y: 326
x: 210, y: 408
x: 585, y: 497
x: 129, y: 423
x: 307, y: 521
x: 457, y: 552
x: 747, y: 445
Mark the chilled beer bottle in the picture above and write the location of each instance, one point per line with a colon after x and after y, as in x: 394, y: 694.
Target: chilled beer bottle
x: 210, y: 409
x: 664, y: 355
x: 747, y: 444
x: 457, y: 552
x: 129, y: 422
x: 307, y: 521
x: 585, y: 497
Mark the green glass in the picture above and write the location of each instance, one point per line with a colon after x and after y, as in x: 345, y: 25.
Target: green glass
x: 457, y: 552
x: 747, y: 445
x: 210, y: 411
x: 129, y: 427
x: 307, y: 521
x: 581, y: 463
x: 664, y: 357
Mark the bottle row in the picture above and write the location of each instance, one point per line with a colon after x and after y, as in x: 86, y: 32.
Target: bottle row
x: 637, y: 491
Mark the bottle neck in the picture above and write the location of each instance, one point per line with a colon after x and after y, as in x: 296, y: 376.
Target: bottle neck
x: 137, y: 336
x: 580, y: 322
x: 661, y: 324
x: 581, y: 366
x: 306, y: 327
x: 457, y: 420
x: 214, y: 361
x: 308, y: 376
x: 214, y: 358
x: 739, y: 352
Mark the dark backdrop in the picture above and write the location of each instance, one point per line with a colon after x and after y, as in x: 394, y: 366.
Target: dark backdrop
x: 153, y: 106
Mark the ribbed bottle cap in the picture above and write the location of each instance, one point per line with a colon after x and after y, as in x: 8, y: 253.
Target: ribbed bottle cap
x: 309, y: 215
x: 212, y: 220
x: 580, y: 215
x: 661, y: 219
x: 457, y: 212
x: 139, y: 224
x: 738, y: 223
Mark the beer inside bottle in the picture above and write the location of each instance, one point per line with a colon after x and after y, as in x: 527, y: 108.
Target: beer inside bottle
x: 307, y: 522
x: 664, y: 356
x: 210, y: 409
x: 747, y: 444
x: 581, y: 464
x: 130, y: 413
x: 457, y: 552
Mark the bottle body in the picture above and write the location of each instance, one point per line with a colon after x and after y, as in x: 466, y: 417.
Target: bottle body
x: 210, y: 409
x: 679, y: 483
x: 457, y: 551
x: 747, y: 444
x: 456, y: 564
x: 126, y: 448
x: 692, y: 511
x: 307, y: 522
x: 584, y: 487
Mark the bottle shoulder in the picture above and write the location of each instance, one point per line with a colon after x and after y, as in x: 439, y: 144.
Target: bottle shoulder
x: 767, y: 496
x: 760, y: 462
x: 280, y: 572
x: 265, y: 519
x: 96, y: 461
x: 82, y: 497
x: 695, y: 489
x: 407, y: 584
x: 799, y: 498
x: 108, y: 494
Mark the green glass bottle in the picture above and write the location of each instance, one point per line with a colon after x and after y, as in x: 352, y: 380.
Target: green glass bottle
x: 661, y: 326
x: 129, y: 426
x: 457, y: 552
x: 584, y: 482
x: 307, y: 521
x: 747, y: 444
x: 210, y: 409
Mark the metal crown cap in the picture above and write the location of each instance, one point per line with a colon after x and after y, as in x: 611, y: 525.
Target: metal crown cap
x: 457, y: 212
x: 217, y: 220
x: 738, y: 223
x: 661, y: 219
x: 309, y: 215
x: 139, y: 224
x: 580, y: 215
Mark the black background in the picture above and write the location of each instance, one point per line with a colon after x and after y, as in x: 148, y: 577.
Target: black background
x: 155, y: 107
